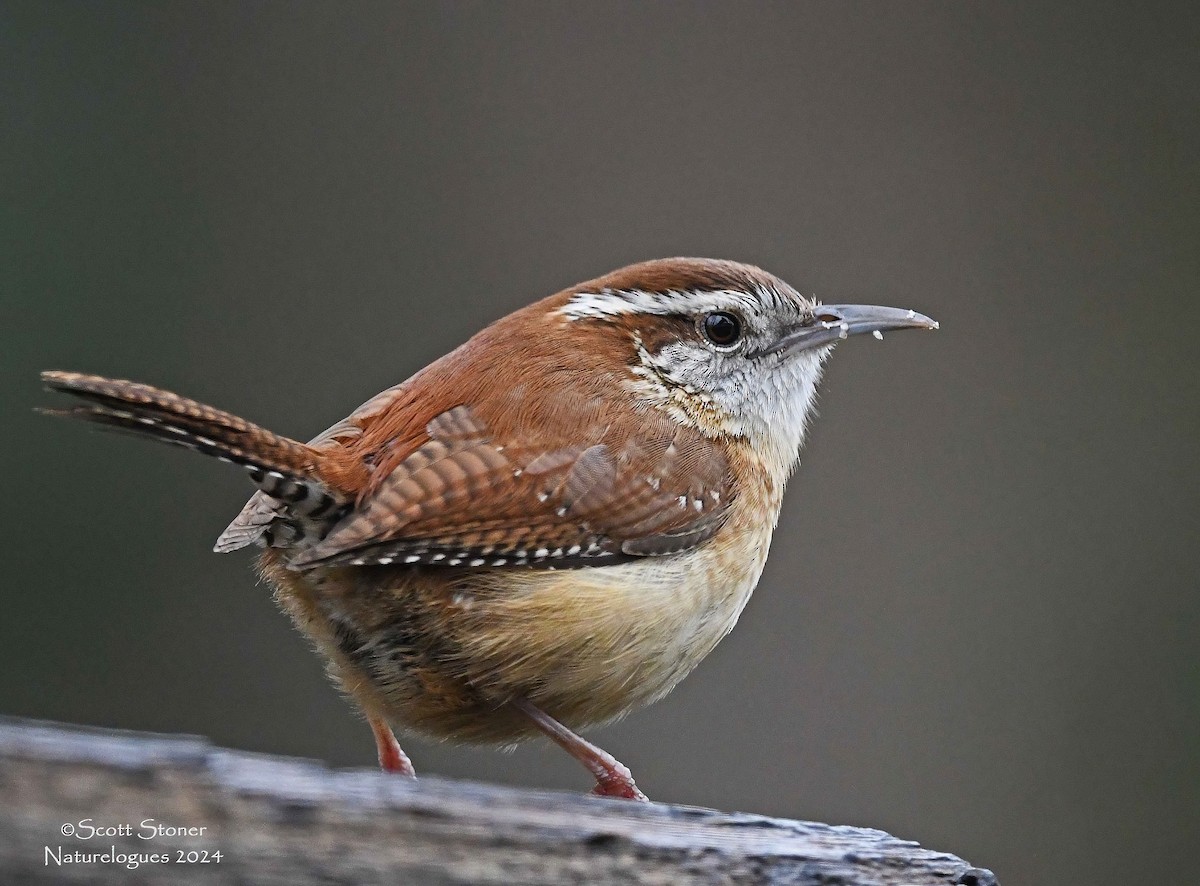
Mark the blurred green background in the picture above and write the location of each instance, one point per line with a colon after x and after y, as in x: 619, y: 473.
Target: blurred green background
x: 979, y: 625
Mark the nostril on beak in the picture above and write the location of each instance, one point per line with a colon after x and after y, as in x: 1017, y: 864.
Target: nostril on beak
x: 828, y: 318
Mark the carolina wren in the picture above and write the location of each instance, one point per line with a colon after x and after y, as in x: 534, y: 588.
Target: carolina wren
x: 551, y: 525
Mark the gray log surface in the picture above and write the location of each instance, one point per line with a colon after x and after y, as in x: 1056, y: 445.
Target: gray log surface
x: 295, y: 822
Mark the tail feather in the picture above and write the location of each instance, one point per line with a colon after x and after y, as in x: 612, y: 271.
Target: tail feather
x: 282, y: 468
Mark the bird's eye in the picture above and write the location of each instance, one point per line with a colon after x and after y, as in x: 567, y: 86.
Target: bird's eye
x: 721, y: 328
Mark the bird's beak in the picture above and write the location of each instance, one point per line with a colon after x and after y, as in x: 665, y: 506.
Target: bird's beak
x: 831, y: 323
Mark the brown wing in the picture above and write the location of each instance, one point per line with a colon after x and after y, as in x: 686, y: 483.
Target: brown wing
x: 463, y: 498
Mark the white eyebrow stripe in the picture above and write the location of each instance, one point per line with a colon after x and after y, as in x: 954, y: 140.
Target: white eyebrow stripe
x: 609, y: 303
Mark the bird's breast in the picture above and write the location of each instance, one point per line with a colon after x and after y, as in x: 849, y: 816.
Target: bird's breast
x: 591, y: 644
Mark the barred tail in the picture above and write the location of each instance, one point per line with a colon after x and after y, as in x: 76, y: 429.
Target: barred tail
x: 282, y: 468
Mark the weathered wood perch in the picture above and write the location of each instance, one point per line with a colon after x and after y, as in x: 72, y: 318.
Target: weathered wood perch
x: 294, y: 822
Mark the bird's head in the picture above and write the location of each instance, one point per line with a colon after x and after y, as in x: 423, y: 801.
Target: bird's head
x: 724, y: 346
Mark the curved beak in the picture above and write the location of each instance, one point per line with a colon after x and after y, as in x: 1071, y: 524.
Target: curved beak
x: 832, y: 323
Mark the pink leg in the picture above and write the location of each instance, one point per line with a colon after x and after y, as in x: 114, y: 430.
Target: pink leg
x: 391, y: 757
x: 613, y: 779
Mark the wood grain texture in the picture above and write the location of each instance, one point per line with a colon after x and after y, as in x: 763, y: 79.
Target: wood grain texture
x: 287, y: 821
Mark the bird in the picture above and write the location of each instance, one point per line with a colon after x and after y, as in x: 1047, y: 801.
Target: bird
x: 546, y: 528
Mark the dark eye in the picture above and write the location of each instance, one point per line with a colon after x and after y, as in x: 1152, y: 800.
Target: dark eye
x: 721, y: 328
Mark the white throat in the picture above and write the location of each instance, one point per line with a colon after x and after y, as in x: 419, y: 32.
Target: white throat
x: 777, y: 419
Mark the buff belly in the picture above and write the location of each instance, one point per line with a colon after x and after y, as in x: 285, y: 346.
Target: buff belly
x: 441, y: 652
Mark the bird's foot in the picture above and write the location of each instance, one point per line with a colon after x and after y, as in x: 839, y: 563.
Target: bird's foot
x: 391, y: 756
x: 613, y: 778
x: 619, y: 783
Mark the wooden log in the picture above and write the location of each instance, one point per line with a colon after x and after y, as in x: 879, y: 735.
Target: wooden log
x: 86, y: 805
